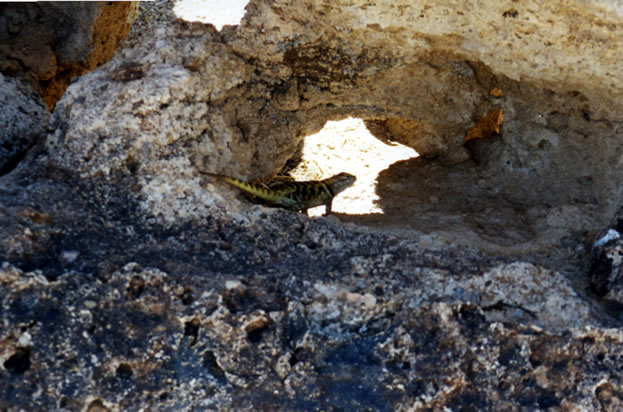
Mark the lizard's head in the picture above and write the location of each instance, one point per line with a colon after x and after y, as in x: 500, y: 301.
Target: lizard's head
x: 341, y: 181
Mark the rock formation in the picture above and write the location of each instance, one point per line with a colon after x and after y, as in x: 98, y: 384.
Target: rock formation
x: 132, y: 281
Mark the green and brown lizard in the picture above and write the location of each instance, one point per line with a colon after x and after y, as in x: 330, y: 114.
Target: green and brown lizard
x: 293, y: 195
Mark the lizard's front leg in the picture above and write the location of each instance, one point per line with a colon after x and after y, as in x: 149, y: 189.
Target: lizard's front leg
x: 328, y: 208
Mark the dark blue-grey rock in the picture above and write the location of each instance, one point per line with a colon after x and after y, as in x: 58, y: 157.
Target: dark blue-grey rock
x: 23, y: 120
x: 606, y: 272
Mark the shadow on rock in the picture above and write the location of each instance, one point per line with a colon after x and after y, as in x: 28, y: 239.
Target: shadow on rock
x: 465, y: 204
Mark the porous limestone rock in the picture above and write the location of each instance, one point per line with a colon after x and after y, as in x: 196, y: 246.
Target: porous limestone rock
x: 105, y: 309
x: 211, y: 334
x: 569, y: 51
x: 133, y: 122
x: 239, y: 102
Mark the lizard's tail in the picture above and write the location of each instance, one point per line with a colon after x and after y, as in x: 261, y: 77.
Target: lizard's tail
x: 256, y: 190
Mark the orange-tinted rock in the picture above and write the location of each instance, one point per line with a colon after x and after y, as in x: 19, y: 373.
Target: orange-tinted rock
x: 49, y: 43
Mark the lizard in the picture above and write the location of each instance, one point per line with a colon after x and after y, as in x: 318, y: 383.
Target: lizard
x: 293, y: 195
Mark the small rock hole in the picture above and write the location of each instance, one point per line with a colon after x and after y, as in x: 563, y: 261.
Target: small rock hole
x: 255, y: 334
x: 19, y: 362
x: 187, y: 296
x: 136, y: 286
x: 97, y: 405
x: 191, y: 328
x: 512, y: 13
x: 124, y: 371
x: 210, y: 363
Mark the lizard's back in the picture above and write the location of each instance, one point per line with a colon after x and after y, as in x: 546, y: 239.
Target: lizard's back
x: 293, y: 195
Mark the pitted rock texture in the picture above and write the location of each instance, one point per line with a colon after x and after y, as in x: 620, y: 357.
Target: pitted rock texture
x: 239, y: 102
x: 136, y: 335
x: 104, y: 308
x: 569, y: 46
x: 49, y: 43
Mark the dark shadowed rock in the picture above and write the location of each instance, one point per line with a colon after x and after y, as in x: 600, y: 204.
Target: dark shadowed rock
x: 23, y: 119
x: 606, y: 272
x: 48, y: 43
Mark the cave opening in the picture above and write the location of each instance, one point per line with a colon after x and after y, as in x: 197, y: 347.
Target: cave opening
x: 348, y: 146
x: 427, y: 199
x: 537, y: 189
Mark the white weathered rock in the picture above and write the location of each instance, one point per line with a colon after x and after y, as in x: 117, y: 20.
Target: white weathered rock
x: 569, y: 46
x: 533, y: 293
x: 238, y: 102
